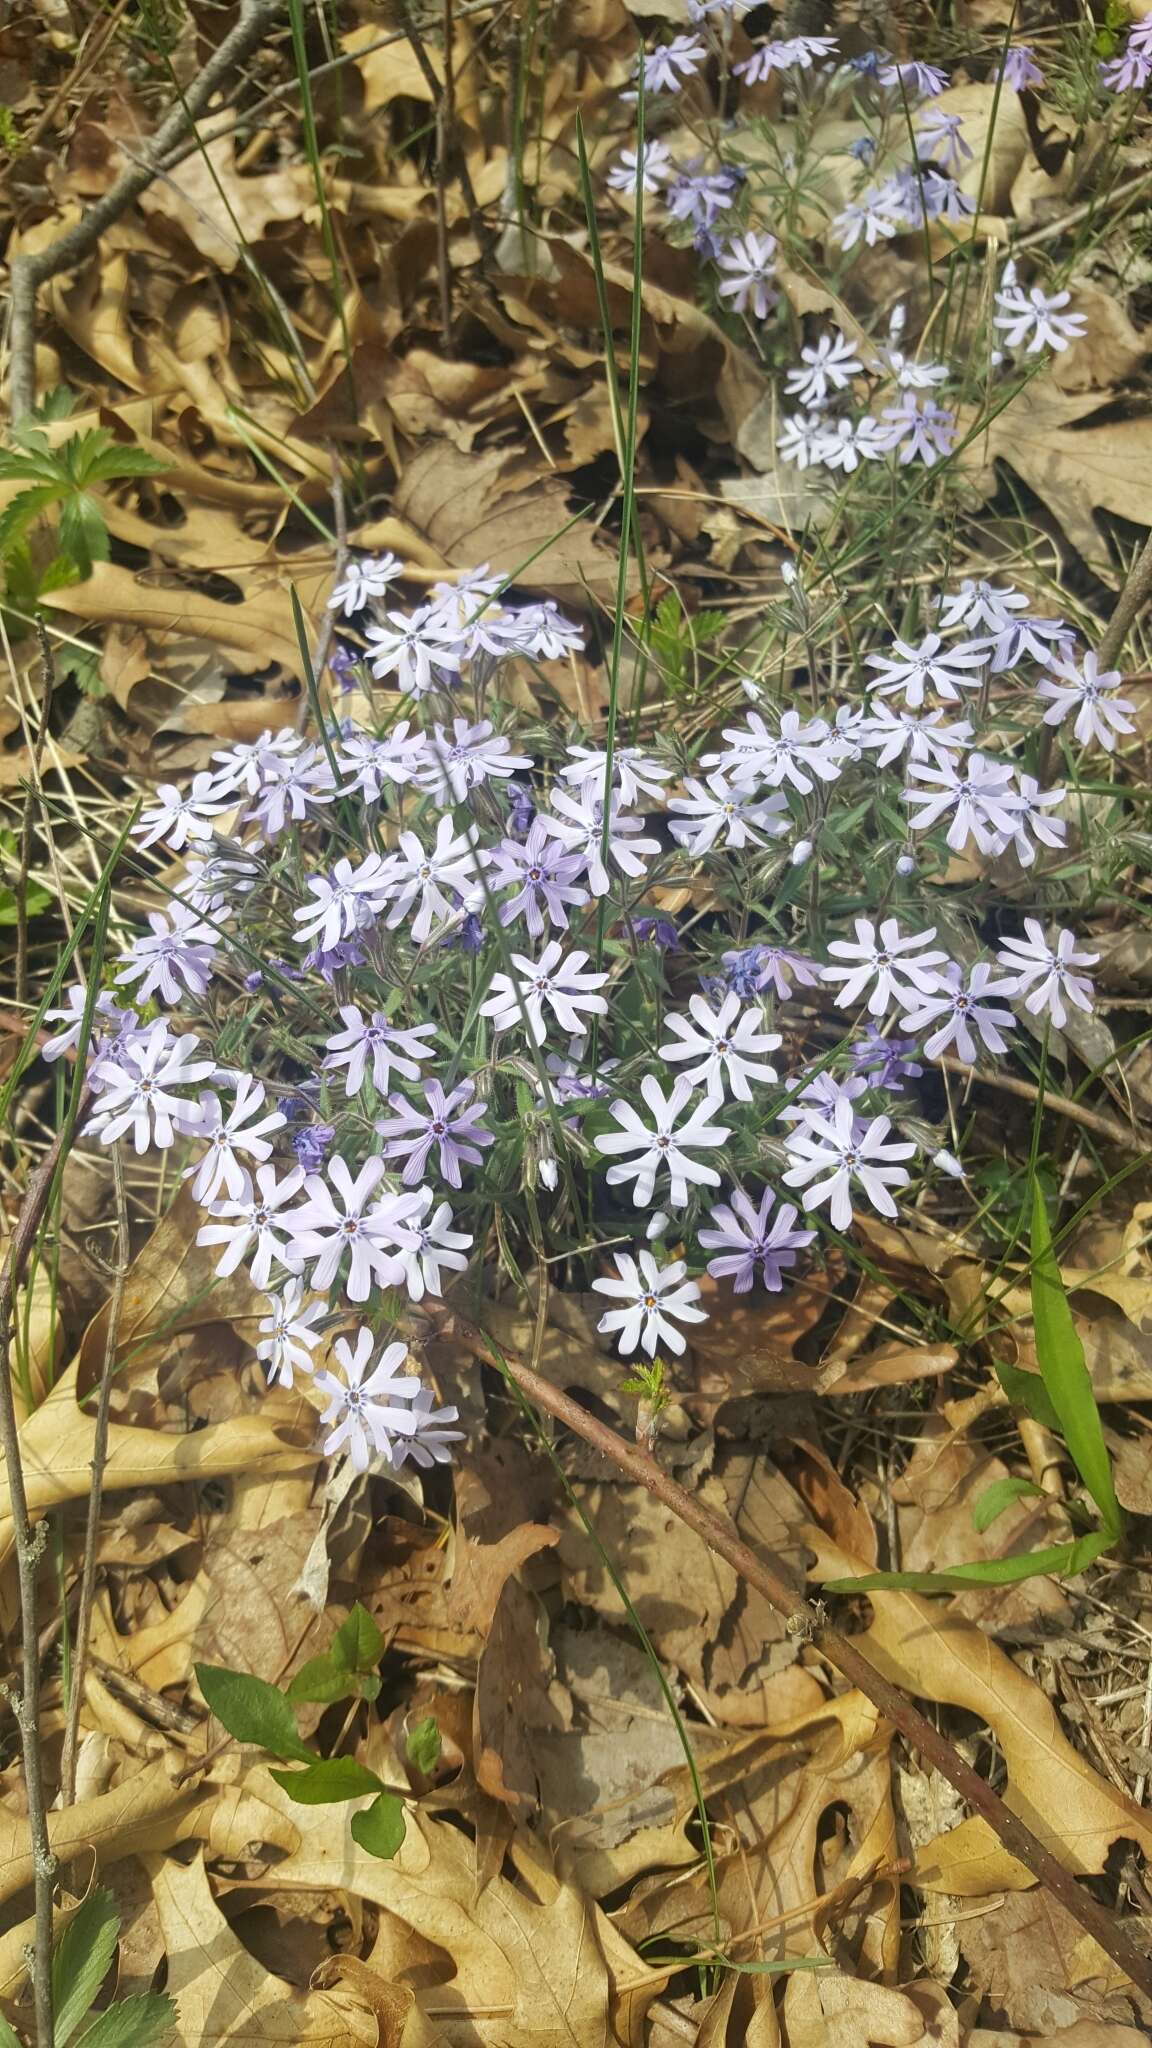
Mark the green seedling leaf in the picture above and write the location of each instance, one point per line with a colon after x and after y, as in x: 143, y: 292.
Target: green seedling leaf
x: 346, y: 1667
x: 327, y: 1781
x: 1063, y: 1560
x: 1066, y: 1376
x: 424, y: 1746
x: 253, y: 1711
x: 1027, y: 1390
x: 381, y: 1828
x: 322, y: 1680
x: 997, y: 1497
x: 358, y: 1644
x: 132, y: 2023
x: 80, y: 1961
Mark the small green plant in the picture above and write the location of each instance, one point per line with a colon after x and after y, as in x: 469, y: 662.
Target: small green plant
x: 81, y: 1958
x: 254, y: 1711
x: 62, y: 479
x: 36, y: 896
x: 1063, y: 1400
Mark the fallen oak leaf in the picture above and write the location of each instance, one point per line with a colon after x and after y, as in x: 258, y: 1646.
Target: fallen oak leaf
x: 151, y: 1809
x: 254, y: 633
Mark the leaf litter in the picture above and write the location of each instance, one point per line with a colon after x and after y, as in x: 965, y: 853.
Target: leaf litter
x: 551, y: 1884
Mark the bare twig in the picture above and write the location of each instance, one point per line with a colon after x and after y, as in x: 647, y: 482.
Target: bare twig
x: 328, y: 622
x: 1061, y: 1105
x: 32, y: 797
x: 29, y: 1546
x: 96, y: 1490
x: 29, y: 272
x: 808, y: 1619
x: 1133, y: 597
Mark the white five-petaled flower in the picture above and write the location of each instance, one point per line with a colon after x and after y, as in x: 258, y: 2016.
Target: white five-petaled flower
x: 254, y: 1221
x: 364, y: 579
x: 713, y: 807
x: 978, y: 604
x: 429, y: 1444
x: 725, y: 1044
x: 341, y: 1215
x: 829, y: 365
x: 175, y: 959
x: 288, y: 1334
x: 1045, y: 974
x: 377, y: 1046
x: 418, y: 649
x: 655, y: 1298
x: 634, y: 774
x: 1099, y: 714
x: 1035, y: 319
x: 421, y: 878
x: 961, y: 1012
x: 890, y: 734
x: 947, y: 670
x: 459, y: 762
x: 844, y: 1150
x: 1032, y: 817
x: 579, y: 822
x: 437, y: 1245
x: 794, y: 754
x: 180, y: 818
x: 748, y: 263
x: 981, y: 797
x: 227, y: 1137
x: 365, y: 1410
x: 653, y: 160
x: 665, y: 1146
x: 556, y: 979
x: 893, y: 964
x: 138, y: 1088
x: 374, y: 762
x: 344, y: 901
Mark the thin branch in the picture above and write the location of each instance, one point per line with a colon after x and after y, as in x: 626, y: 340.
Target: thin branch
x: 33, y: 796
x: 96, y: 1490
x: 807, y: 1620
x: 1133, y: 597
x: 29, y: 272
x: 1105, y: 1127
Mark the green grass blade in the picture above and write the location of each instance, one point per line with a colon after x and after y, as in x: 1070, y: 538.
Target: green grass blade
x: 1061, y: 1560
x: 1066, y: 1376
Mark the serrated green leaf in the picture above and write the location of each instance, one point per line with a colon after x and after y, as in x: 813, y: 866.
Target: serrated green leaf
x: 132, y: 2022
x: 424, y: 1745
x: 1062, y: 1560
x: 381, y: 1828
x: 80, y: 1960
x: 1000, y: 1495
x: 327, y: 1781
x: 22, y: 511
x: 253, y: 1711
x: 1061, y: 1358
x: 83, y: 534
x: 117, y: 461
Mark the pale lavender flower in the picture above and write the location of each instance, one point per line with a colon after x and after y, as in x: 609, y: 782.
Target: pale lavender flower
x: 801, y: 437
x: 374, y: 764
x: 579, y: 823
x: 1032, y: 818
x: 962, y: 1014
x: 666, y: 1146
x: 288, y: 1334
x: 229, y: 1137
x: 254, y: 1222
x: 1045, y: 974
x: 699, y: 196
x: 1034, y: 319
x: 979, y: 603
x: 421, y: 878
x: 981, y: 797
x: 919, y: 428
x: 421, y: 650
x: 655, y: 1298
x: 725, y: 1044
x: 843, y: 1154
x: 549, y: 635
x: 138, y: 1087
x: 748, y: 263
x: 1031, y: 638
x: 869, y: 219
x: 365, y: 1410
x: 794, y: 754
x: 177, y: 959
x: 341, y: 1215
x: 845, y: 444
x: 71, y: 1016
x: 429, y: 1443
x: 892, y: 734
x: 713, y: 807
x: 294, y: 788
x: 821, y: 1098
x: 1020, y: 68
x: 939, y: 136
x: 947, y: 670
x: 364, y: 578
x: 896, y: 966
x: 750, y: 1244
x: 1100, y: 715
x: 923, y: 81
x: 884, y: 1060
x: 667, y: 67
x: 344, y: 901
x: 543, y: 875
x: 179, y: 819
x: 247, y: 766
x: 791, y: 53
x: 388, y: 1049
x: 556, y: 979
x: 312, y: 1145
x: 751, y: 970
x: 472, y: 756
x: 655, y: 163
x: 634, y: 774
x: 1131, y: 70
x: 451, y: 1123
x: 437, y: 1245
x: 829, y: 365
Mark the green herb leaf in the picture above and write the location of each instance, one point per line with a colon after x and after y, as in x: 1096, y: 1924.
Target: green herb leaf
x: 132, y: 2022
x: 1063, y: 1560
x: 997, y: 1497
x: 1027, y: 1390
x: 327, y: 1781
x: 253, y: 1711
x: 424, y: 1745
x: 381, y: 1828
x: 1066, y: 1376
x: 80, y: 1961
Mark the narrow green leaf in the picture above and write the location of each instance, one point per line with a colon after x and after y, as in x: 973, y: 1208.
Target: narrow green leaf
x: 1062, y: 1560
x: 997, y: 1497
x: 80, y: 1960
x: 83, y: 534
x: 116, y: 461
x: 327, y: 1781
x: 1027, y: 1390
x: 253, y: 1711
x: 9, y: 2038
x: 1066, y: 1376
x: 424, y: 1745
x: 381, y: 1828
x: 23, y: 510
x: 132, y: 2022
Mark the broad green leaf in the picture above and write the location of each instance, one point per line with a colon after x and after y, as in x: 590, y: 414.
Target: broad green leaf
x: 80, y: 1960
x: 1061, y: 1357
x: 424, y: 1745
x: 347, y: 1666
x: 253, y: 1711
x: 357, y: 1644
x: 8, y: 2036
x: 132, y: 2022
x: 322, y: 1680
x: 83, y: 534
x: 327, y: 1781
x: 1027, y: 1390
x: 1063, y: 1560
x: 997, y: 1497
x: 381, y: 1828
x: 36, y: 899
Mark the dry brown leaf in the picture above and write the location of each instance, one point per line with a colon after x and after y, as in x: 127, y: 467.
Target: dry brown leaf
x: 221, y: 212
x: 253, y: 634
x: 926, y: 1648
x: 829, y: 2007
x: 224, y: 1995
x: 150, y: 1810
x: 1085, y: 2034
x: 1110, y: 352
x: 1029, y: 1959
